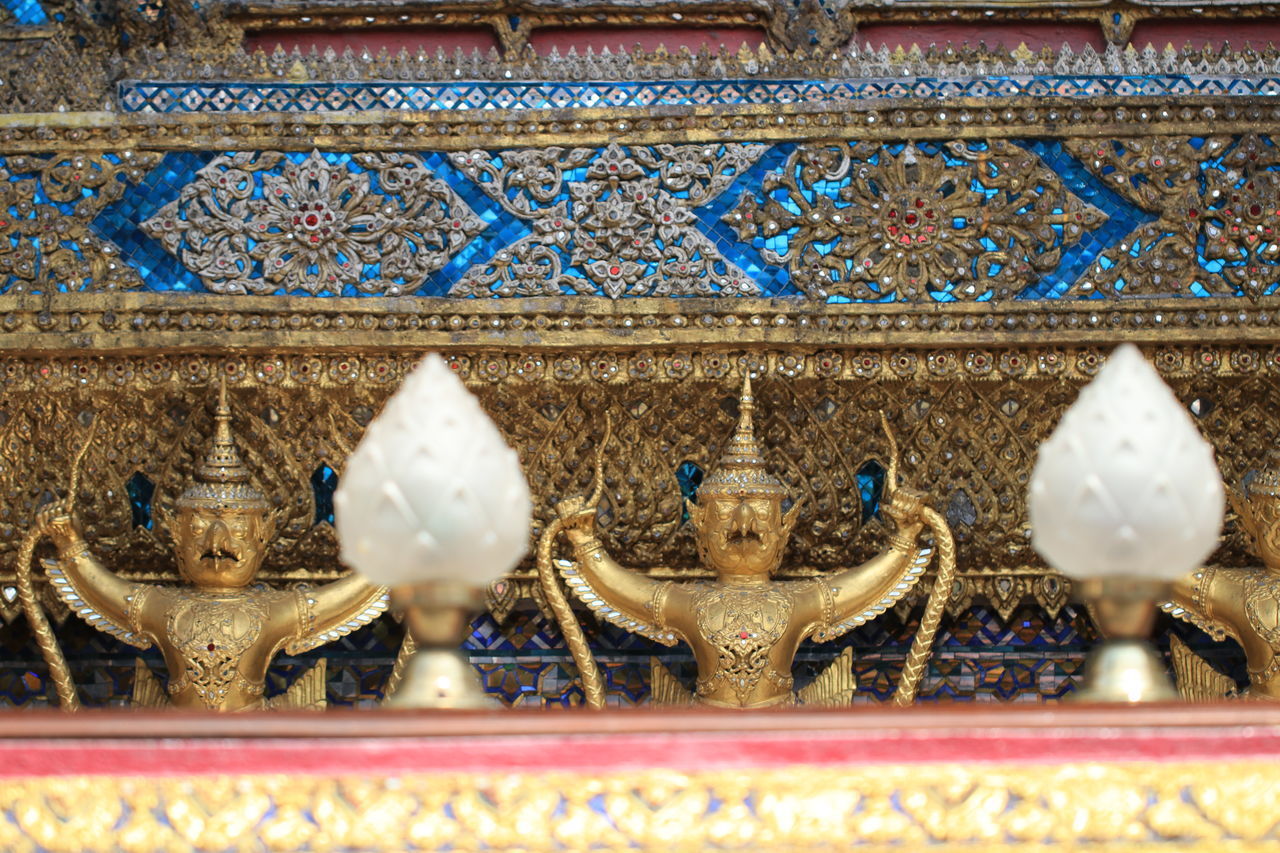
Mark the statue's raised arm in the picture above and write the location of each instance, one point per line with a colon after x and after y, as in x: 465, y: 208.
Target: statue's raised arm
x: 335, y: 610
x: 859, y: 594
x: 638, y: 599
x: 91, y: 590
x: 1238, y: 602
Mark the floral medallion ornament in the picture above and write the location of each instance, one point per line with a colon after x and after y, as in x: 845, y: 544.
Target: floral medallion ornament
x: 1216, y: 216
x: 270, y: 222
x: 627, y: 228
x: 967, y: 220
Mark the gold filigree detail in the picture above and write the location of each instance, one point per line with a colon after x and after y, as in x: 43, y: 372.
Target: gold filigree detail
x: 211, y: 632
x: 630, y: 220
x: 953, y: 222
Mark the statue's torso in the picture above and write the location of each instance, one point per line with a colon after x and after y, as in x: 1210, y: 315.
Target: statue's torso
x: 1257, y: 596
x: 744, y: 640
x: 217, y: 646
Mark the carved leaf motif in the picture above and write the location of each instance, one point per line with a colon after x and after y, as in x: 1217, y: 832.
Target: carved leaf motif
x: 1216, y: 214
x: 62, y: 196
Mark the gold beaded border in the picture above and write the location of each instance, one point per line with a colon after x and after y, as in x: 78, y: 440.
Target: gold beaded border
x: 885, y: 119
x: 176, y: 323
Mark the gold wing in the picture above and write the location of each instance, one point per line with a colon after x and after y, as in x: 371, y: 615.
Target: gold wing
x: 147, y: 690
x: 307, y: 693
x: 359, y: 613
x: 1177, y: 611
x: 65, y: 587
x: 581, y: 588
x: 665, y: 688
x: 1197, y: 680
x: 909, y: 578
x: 834, y: 687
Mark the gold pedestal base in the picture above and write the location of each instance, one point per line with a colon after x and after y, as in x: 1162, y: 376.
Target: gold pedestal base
x: 441, y: 678
x: 1125, y: 668
x: 439, y: 675
x: 1125, y: 671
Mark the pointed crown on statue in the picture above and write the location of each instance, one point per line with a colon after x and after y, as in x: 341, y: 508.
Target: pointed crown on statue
x: 222, y: 481
x: 741, y: 470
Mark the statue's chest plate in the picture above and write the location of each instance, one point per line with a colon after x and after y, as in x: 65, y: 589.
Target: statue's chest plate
x: 737, y: 617
x: 743, y: 625
x: 212, y: 634
x: 1262, y: 605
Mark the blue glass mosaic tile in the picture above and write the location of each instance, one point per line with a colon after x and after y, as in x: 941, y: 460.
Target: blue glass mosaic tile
x: 324, y: 482
x: 26, y: 11
x: 689, y: 475
x: 772, y: 280
x: 1123, y: 218
x: 140, y: 490
x: 870, y: 488
x: 119, y: 222
x: 171, y: 97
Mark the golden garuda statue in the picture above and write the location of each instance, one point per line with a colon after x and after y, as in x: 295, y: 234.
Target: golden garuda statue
x: 1242, y: 603
x: 744, y: 627
x: 218, y: 633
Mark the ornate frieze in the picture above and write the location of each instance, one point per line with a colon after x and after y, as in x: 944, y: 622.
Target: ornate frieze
x: 954, y: 237
x: 1010, y: 219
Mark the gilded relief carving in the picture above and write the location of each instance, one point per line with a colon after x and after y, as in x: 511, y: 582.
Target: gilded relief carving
x: 967, y: 221
x: 968, y: 421
x: 1215, y: 208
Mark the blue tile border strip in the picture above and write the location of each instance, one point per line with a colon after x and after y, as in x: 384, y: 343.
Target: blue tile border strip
x: 468, y: 96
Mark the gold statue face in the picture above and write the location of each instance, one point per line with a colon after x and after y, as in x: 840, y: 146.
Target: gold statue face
x: 742, y: 535
x: 221, y: 546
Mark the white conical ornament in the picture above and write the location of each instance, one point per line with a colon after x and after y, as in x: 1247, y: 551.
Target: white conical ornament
x: 432, y: 492
x: 1126, y: 486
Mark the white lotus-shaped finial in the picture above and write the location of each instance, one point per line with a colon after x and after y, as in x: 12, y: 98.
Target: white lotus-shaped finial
x: 432, y: 492
x: 1126, y: 486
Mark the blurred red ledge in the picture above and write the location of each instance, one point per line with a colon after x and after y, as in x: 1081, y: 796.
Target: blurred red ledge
x: 396, y: 742
x: 954, y: 778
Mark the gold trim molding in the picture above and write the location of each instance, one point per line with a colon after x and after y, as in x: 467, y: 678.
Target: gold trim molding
x: 880, y: 120
x: 178, y: 322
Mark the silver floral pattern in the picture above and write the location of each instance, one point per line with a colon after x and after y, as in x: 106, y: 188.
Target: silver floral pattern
x: 268, y: 222
x: 627, y: 228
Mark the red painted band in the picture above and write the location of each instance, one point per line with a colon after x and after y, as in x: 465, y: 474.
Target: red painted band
x: 684, y: 752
